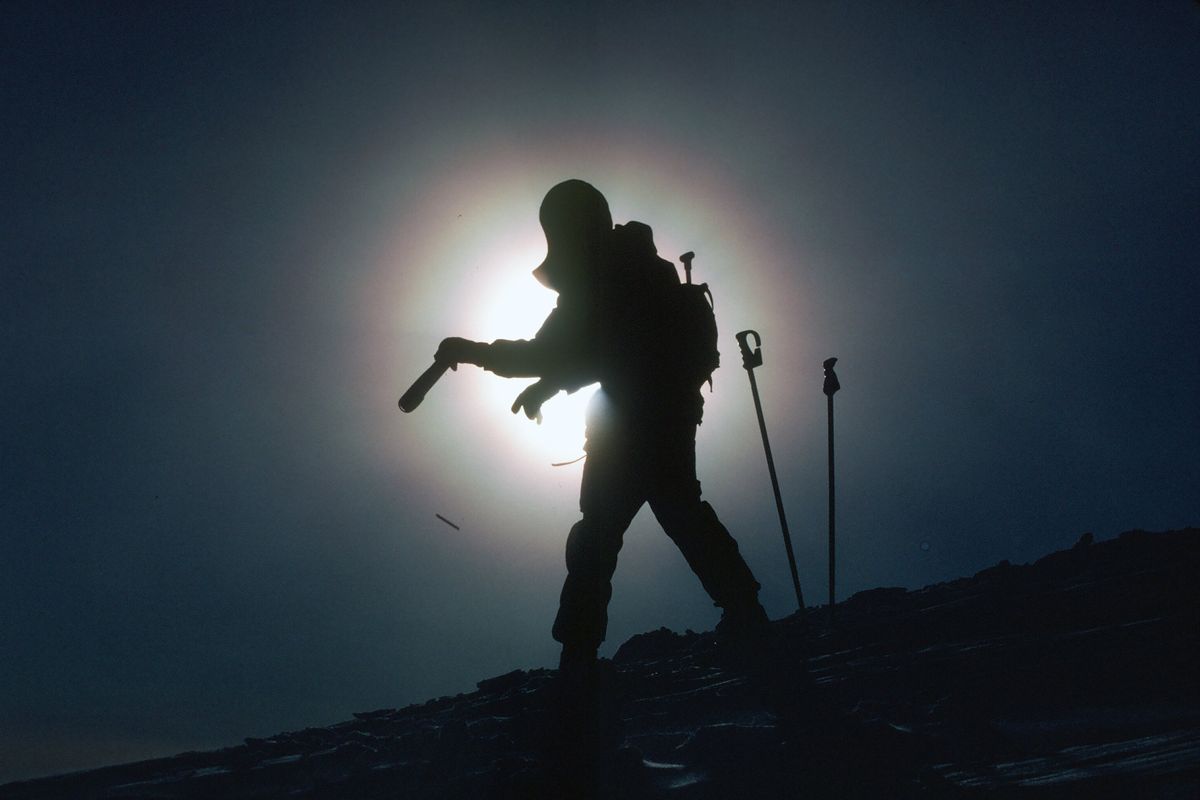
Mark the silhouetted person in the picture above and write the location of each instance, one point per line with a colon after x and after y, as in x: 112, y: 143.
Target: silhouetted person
x: 613, y: 290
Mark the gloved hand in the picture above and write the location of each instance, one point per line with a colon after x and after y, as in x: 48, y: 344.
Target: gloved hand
x: 455, y: 351
x: 531, y: 399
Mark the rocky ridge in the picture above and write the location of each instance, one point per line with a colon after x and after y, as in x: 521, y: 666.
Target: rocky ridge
x: 1074, y: 676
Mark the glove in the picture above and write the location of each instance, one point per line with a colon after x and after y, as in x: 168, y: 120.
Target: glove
x: 455, y: 351
x: 531, y: 399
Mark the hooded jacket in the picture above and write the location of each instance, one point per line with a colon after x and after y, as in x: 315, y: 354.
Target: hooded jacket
x: 607, y: 327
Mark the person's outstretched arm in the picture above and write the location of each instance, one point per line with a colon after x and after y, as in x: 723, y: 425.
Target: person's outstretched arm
x: 558, y: 353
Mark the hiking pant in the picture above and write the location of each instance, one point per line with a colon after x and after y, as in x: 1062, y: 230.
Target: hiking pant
x: 622, y: 472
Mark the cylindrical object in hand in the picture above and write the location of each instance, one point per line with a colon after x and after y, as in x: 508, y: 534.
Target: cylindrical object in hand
x: 416, y: 393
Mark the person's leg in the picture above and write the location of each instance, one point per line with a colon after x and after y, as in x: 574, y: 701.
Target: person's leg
x: 693, y: 525
x: 609, y: 498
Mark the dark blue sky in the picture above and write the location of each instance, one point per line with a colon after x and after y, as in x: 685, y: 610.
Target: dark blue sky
x: 232, y: 234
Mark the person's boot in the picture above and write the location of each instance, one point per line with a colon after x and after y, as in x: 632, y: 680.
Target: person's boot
x: 745, y: 621
x: 577, y: 659
x: 581, y: 674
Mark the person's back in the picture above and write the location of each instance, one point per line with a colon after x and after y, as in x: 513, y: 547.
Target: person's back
x: 639, y: 363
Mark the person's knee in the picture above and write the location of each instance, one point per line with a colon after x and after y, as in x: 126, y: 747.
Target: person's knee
x: 692, y: 520
x: 592, y: 547
x: 709, y: 515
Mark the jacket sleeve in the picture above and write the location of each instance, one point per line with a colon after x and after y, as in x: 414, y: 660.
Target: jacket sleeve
x: 557, y: 353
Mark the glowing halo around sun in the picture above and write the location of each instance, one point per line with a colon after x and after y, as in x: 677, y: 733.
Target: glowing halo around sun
x: 459, y: 263
x: 513, y: 305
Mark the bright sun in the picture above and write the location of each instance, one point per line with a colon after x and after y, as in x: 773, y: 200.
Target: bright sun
x: 513, y: 305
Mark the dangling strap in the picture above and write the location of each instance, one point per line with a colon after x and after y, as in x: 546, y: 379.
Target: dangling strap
x: 569, y: 463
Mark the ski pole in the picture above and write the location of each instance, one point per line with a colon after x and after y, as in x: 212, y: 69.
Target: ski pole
x: 750, y: 360
x: 831, y: 385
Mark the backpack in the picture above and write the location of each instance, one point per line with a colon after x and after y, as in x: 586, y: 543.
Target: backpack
x: 695, y: 329
x: 684, y: 324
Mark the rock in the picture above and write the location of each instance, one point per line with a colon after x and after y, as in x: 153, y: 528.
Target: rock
x: 1075, y: 674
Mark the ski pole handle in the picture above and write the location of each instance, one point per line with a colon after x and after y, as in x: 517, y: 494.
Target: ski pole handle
x: 750, y: 358
x: 686, y: 258
x: 831, y: 384
x: 421, y: 386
